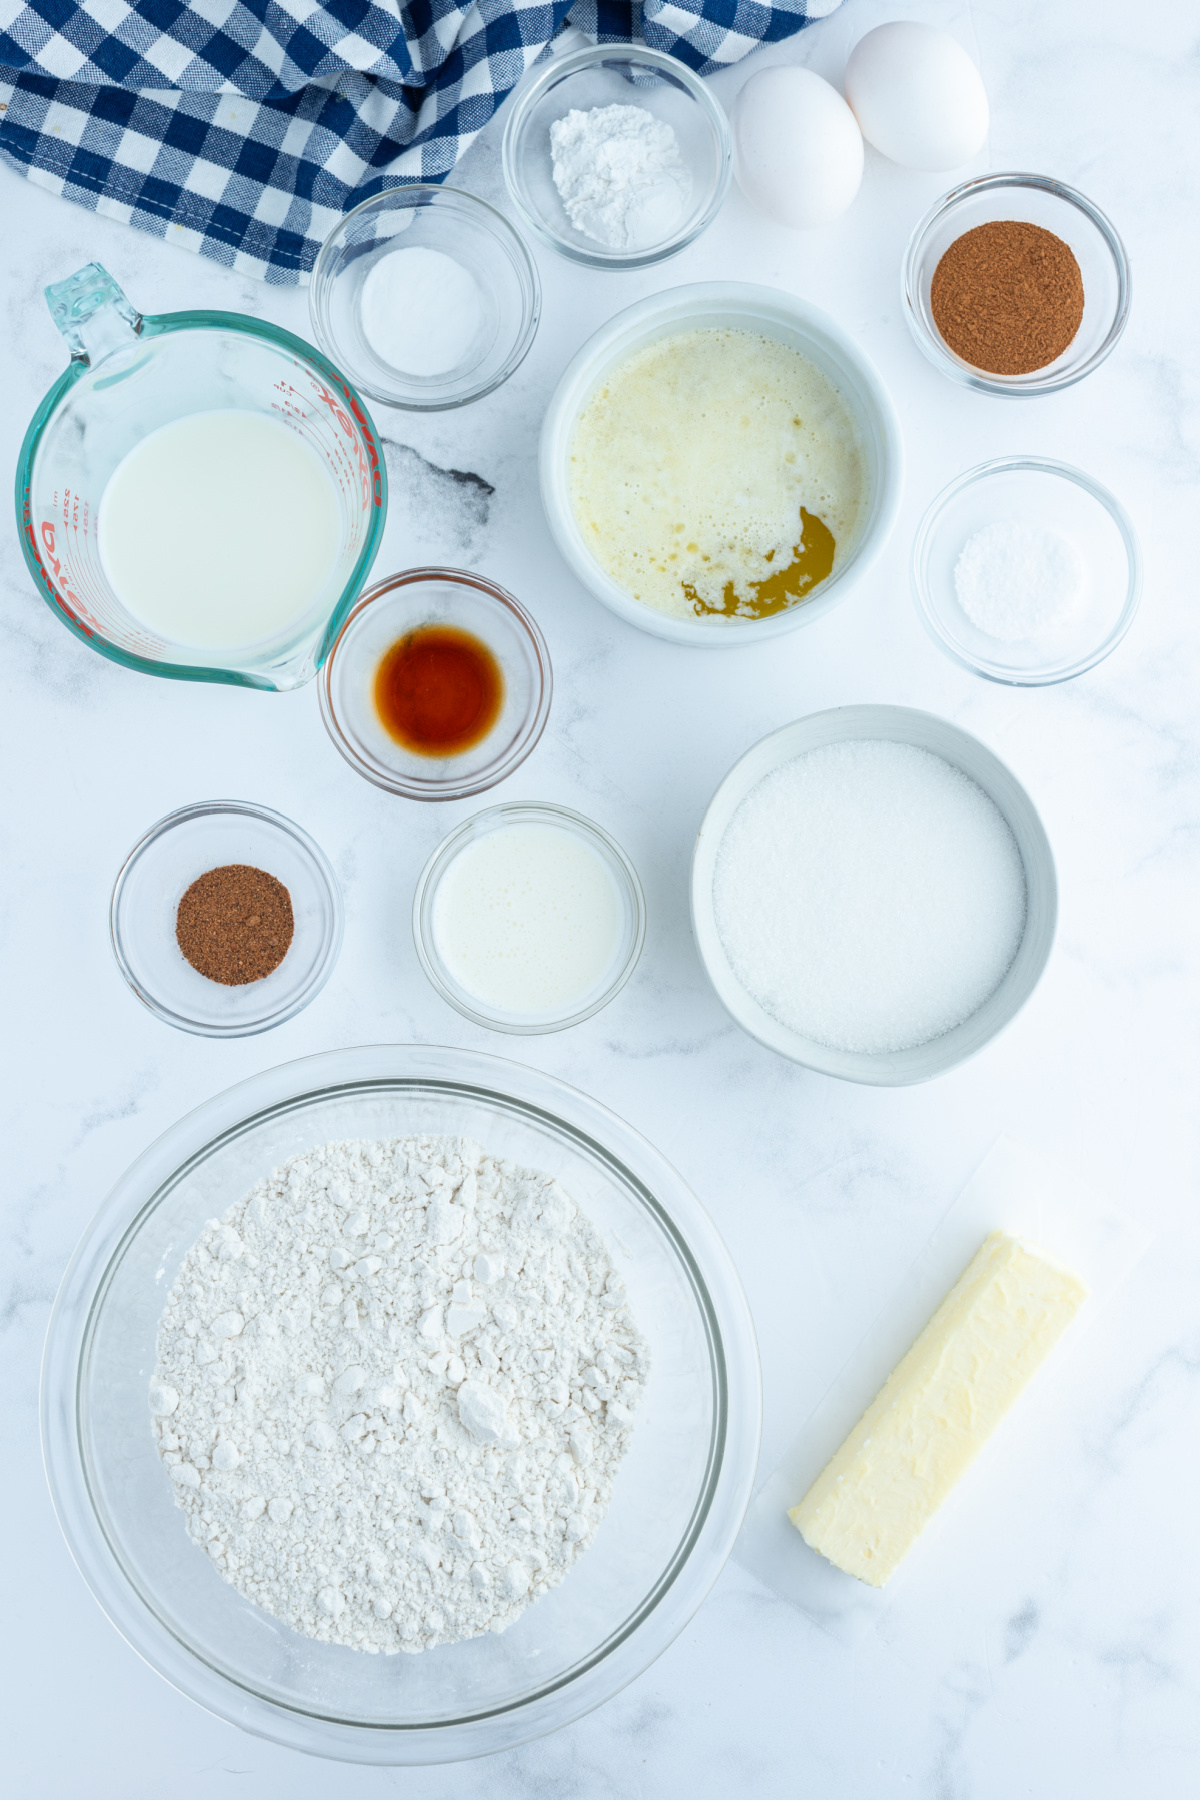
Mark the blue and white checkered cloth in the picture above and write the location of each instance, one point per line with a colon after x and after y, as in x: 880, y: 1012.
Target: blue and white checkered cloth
x: 244, y: 129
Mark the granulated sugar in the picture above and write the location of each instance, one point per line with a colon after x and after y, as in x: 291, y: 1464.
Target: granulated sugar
x: 869, y: 895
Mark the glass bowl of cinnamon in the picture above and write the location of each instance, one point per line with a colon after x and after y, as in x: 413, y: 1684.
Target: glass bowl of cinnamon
x: 226, y: 919
x: 1016, y: 284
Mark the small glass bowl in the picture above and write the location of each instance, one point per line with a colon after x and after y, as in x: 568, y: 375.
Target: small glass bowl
x: 1030, y: 491
x: 629, y: 889
x: 1035, y: 200
x: 389, y: 611
x: 608, y: 75
x: 461, y: 226
x: 163, y: 865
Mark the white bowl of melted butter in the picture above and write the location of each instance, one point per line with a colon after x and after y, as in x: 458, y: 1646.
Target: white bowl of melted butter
x: 719, y: 463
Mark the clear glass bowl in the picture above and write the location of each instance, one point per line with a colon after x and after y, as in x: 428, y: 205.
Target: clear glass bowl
x: 629, y: 891
x: 386, y: 613
x: 608, y: 75
x: 1036, y: 200
x: 1039, y: 493
x: 680, y: 1495
x: 462, y: 227
x: 152, y: 881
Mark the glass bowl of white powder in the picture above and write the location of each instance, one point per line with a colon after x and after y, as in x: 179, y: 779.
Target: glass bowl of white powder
x: 176, y: 1579
x: 616, y: 157
x: 873, y: 894
x: 1026, y: 571
x: 427, y: 295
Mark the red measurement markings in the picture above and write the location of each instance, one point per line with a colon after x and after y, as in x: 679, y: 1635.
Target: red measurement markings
x: 54, y: 575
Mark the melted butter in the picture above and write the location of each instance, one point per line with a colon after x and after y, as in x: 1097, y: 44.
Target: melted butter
x: 812, y: 561
x: 699, y: 461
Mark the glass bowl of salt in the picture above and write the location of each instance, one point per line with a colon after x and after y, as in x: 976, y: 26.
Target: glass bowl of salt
x: 1026, y: 571
x: 427, y: 295
x: 616, y: 156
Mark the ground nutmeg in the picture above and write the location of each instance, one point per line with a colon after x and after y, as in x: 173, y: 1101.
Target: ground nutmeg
x: 235, y: 924
x: 1007, y: 297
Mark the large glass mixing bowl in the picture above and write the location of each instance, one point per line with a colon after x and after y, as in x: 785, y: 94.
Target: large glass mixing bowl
x: 680, y: 1492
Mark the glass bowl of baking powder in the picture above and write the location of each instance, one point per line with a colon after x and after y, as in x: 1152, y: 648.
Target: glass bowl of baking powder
x: 678, y: 155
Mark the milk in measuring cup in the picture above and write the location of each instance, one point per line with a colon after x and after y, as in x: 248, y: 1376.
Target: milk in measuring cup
x: 219, y: 529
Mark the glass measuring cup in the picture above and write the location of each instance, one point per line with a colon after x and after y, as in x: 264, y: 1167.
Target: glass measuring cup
x: 131, y: 373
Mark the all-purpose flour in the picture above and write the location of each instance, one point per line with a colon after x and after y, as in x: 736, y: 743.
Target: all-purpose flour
x: 393, y: 1387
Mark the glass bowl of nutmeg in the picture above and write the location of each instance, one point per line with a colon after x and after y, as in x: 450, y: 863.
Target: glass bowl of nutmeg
x: 1016, y: 284
x: 226, y: 919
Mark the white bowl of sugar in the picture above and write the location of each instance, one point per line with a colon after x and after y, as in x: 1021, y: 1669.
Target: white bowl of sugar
x: 873, y: 894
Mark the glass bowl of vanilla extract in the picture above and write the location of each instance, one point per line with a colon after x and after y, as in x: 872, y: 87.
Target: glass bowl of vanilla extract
x: 438, y: 685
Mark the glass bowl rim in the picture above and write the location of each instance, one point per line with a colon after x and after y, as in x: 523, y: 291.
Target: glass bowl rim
x: 646, y: 1173
x: 557, y: 69
x: 430, y: 193
x: 154, y: 325
x: 317, y: 861
x: 938, y: 353
x: 923, y: 597
x: 445, y: 853
x: 533, y: 727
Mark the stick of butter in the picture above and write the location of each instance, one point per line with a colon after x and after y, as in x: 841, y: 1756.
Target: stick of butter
x: 938, y: 1408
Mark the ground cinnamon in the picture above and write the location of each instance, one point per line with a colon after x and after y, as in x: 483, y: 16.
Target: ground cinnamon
x: 1007, y: 297
x: 235, y: 924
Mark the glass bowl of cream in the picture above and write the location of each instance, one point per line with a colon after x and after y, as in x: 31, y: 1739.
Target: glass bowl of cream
x: 616, y: 157
x: 529, y: 918
x: 428, y: 295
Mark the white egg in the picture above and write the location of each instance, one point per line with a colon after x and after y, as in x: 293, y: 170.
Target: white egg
x: 917, y: 96
x: 798, y: 151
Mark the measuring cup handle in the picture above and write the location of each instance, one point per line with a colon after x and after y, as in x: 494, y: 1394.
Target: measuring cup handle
x: 92, y: 313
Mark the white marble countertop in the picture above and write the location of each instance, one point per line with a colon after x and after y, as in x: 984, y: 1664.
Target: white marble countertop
x: 1049, y: 1643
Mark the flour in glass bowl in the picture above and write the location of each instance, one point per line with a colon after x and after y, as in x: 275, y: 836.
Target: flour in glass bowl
x: 393, y: 1387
